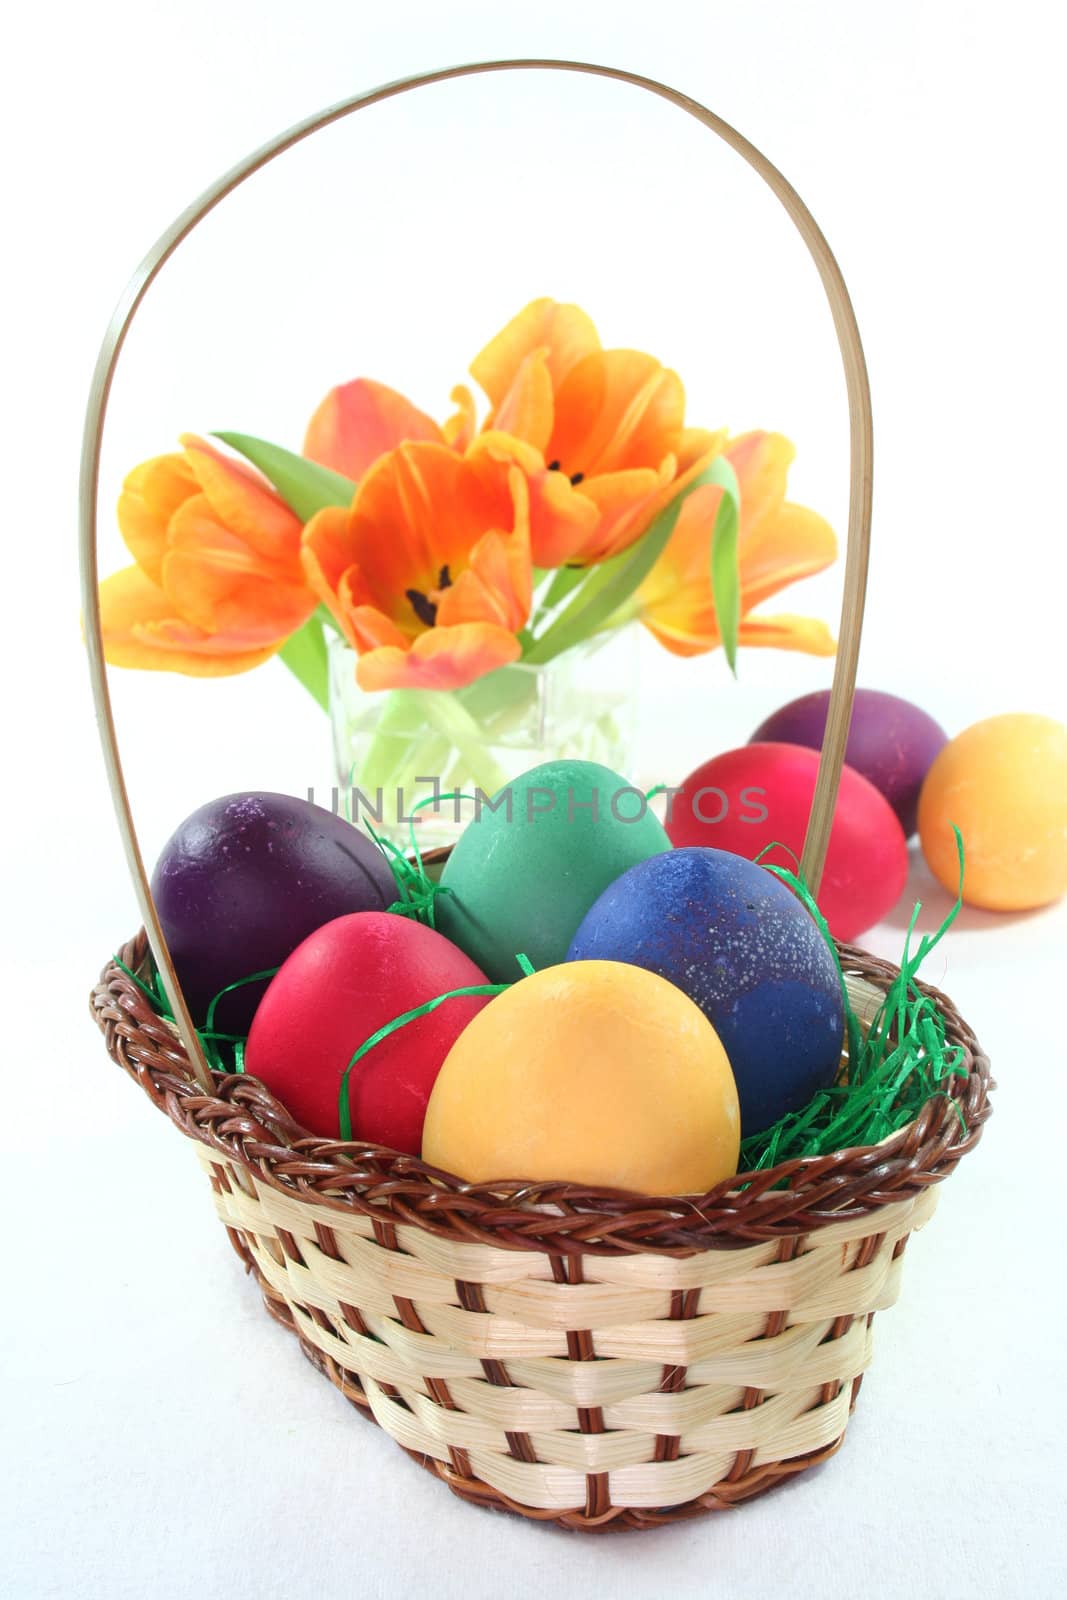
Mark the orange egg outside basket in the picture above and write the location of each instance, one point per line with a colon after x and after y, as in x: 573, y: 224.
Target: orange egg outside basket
x: 582, y: 1356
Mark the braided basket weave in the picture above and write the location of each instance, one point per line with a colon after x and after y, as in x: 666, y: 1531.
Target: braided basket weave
x: 581, y: 1356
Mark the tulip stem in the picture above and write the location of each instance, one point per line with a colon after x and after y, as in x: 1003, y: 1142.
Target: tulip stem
x: 560, y: 585
x: 444, y: 711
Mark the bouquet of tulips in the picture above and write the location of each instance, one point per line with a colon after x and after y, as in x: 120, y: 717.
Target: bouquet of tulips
x: 445, y: 552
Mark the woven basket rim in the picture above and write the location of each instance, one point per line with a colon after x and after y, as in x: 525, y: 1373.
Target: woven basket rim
x: 250, y: 1125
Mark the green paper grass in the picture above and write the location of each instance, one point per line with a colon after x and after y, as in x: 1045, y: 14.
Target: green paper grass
x: 223, y: 1052
x: 903, y: 1060
x: 890, y: 1073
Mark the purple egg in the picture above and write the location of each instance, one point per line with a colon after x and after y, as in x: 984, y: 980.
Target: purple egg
x: 246, y: 879
x: 890, y: 741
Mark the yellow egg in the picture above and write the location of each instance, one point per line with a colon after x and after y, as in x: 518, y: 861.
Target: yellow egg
x: 1003, y: 783
x: 591, y: 1072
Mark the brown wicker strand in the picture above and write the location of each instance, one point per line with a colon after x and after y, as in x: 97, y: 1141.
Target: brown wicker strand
x: 246, y: 1123
x: 587, y: 1357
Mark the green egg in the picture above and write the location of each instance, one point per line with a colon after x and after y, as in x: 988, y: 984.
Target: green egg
x: 526, y: 870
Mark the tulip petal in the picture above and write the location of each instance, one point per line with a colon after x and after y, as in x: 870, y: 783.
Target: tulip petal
x: 258, y: 610
x: 493, y: 445
x: 526, y: 410
x: 217, y: 582
x: 141, y: 631
x: 697, y: 634
x: 366, y: 627
x: 616, y: 409
x: 496, y: 587
x: 778, y: 544
x: 674, y: 480
x: 459, y: 429
x: 332, y: 574
x: 416, y: 515
x: 699, y: 445
x: 676, y: 599
x: 211, y: 657
x: 788, y: 633
x: 677, y: 605
x: 695, y: 637
x: 244, y: 502
x: 326, y: 551
x: 562, y: 520
x: 625, y: 504
x: 219, y: 586
x: 151, y: 494
x: 794, y: 544
x: 564, y: 330
x: 359, y: 421
x: 440, y: 658
x: 762, y: 462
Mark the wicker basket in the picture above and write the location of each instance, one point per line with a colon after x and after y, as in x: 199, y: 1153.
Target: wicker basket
x: 581, y: 1356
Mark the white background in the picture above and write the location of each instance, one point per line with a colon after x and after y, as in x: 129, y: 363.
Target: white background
x: 163, y: 1437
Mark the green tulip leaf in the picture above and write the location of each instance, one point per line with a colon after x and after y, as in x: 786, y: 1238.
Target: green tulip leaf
x: 725, y: 578
x: 304, y: 653
x: 303, y: 485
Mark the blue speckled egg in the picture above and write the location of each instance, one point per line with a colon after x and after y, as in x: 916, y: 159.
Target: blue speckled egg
x: 736, y: 940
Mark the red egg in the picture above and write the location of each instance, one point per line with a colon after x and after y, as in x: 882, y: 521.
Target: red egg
x: 761, y: 794
x: 348, y: 979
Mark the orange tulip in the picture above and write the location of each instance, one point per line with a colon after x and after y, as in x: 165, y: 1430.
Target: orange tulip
x: 598, y: 433
x: 359, y: 421
x: 778, y: 543
x: 217, y: 585
x: 428, y: 571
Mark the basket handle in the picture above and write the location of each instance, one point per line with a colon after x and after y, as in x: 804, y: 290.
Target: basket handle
x: 859, y: 515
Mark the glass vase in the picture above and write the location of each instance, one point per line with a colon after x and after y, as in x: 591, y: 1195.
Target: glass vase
x: 412, y: 762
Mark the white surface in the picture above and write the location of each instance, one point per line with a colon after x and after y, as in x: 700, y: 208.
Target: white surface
x: 163, y: 1437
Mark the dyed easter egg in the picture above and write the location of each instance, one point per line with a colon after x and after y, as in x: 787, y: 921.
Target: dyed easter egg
x: 890, y: 742
x: 761, y: 794
x: 347, y: 980
x: 592, y: 1072
x: 733, y: 938
x: 244, y: 879
x: 1003, y: 782
x: 526, y: 870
